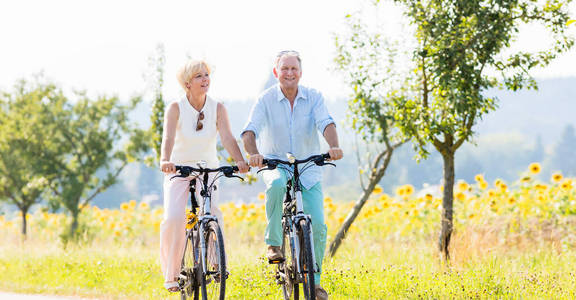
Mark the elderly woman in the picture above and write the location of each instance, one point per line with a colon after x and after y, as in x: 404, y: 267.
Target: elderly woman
x: 190, y: 127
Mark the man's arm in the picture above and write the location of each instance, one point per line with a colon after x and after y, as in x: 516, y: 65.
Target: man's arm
x: 331, y: 137
x: 249, y: 141
x: 256, y: 121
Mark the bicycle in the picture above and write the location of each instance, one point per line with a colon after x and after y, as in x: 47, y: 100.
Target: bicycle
x: 203, y: 269
x: 300, y: 265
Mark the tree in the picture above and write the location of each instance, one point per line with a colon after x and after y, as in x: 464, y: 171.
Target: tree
x: 461, y: 53
x: 23, y: 114
x: 371, y: 113
x: 89, y: 136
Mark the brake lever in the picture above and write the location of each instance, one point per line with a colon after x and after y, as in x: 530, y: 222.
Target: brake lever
x: 236, y: 177
x: 178, y: 176
x: 263, y: 169
x: 328, y: 163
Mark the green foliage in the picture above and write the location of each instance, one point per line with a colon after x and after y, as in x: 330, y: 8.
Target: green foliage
x: 25, y: 125
x: 461, y: 54
x: 90, y: 134
x: 373, y: 70
x: 53, y: 143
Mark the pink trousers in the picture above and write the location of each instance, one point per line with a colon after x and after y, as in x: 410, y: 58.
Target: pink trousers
x: 173, y: 227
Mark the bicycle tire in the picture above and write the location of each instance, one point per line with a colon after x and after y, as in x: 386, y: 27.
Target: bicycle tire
x: 213, y: 283
x: 189, y: 269
x: 287, y: 269
x: 306, y: 261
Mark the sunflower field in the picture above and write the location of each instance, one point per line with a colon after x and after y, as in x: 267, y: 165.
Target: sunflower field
x: 512, y: 240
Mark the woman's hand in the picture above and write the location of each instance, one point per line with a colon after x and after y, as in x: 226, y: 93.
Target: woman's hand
x: 242, y: 166
x: 167, y: 167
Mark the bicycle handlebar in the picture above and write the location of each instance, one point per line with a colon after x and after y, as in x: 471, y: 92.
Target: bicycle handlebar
x: 319, y: 160
x: 228, y: 171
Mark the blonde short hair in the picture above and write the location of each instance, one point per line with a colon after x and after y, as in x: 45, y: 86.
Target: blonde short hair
x: 189, y: 70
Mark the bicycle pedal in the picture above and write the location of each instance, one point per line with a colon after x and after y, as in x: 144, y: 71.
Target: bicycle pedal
x: 276, y: 261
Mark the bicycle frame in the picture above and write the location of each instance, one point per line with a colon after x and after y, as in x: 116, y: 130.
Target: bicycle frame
x: 295, y: 219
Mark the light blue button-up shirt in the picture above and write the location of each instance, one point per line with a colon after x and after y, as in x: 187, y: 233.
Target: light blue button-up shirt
x: 280, y: 129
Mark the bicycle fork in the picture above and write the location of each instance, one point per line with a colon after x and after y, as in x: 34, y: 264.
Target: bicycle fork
x: 202, y: 222
x: 296, y: 220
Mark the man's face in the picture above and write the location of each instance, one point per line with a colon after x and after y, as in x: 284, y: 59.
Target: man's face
x: 288, y: 71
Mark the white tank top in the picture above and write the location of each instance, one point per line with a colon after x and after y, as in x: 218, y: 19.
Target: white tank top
x: 191, y: 146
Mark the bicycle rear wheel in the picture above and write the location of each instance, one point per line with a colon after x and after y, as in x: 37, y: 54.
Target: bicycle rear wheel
x: 306, y: 261
x: 187, y: 281
x: 213, y: 282
x: 286, y: 272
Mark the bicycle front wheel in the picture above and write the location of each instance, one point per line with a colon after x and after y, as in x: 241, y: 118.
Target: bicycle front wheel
x: 213, y: 282
x: 286, y: 272
x: 187, y: 280
x: 306, y: 261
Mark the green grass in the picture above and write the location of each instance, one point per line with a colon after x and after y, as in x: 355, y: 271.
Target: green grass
x: 371, y: 270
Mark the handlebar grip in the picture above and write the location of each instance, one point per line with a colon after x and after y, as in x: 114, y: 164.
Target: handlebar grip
x: 326, y: 155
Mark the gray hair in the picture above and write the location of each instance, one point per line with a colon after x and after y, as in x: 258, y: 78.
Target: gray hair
x: 287, y: 53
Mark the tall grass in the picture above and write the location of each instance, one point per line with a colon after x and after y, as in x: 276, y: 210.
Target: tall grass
x: 511, y: 241
x: 365, y: 268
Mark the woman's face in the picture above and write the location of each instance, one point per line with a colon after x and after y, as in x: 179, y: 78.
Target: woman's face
x: 200, y: 82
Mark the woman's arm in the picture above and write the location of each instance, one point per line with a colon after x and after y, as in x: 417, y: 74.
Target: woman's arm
x: 227, y: 139
x: 168, y: 134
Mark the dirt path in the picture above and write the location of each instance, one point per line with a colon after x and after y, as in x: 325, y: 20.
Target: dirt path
x: 11, y: 296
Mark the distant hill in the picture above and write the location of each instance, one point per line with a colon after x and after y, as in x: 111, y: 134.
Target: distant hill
x: 544, y: 112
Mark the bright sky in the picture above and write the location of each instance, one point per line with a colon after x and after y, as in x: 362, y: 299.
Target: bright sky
x: 103, y: 46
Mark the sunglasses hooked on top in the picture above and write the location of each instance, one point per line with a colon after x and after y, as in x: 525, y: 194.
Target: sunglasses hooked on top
x: 199, y: 124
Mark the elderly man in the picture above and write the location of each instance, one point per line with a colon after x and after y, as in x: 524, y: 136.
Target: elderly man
x: 287, y: 118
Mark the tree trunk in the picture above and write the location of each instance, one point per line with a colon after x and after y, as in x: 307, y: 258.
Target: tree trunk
x: 74, y: 225
x: 351, y: 217
x: 24, y: 212
x: 447, y: 206
x: 376, y: 174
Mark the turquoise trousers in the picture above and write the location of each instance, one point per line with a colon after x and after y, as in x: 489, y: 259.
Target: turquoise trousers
x: 313, y: 201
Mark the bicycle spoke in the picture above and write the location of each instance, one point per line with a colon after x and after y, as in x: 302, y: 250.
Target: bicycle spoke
x: 187, y: 278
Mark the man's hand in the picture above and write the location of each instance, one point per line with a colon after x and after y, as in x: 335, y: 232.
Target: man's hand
x: 256, y: 160
x: 335, y: 153
x: 242, y: 166
x: 167, y: 167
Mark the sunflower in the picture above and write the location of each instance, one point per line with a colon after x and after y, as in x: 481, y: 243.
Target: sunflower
x: 498, y: 182
x: 461, y: 196
x: 483, y: 185
x: 534, y: 168
x: 377, y: 190
x: 479, y: 178
x: 124, y: 206
x: 462, y: 185
x: 557, y: 177
x: 567, y: 184
x: 408, y: 189
x: 262, y: 196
